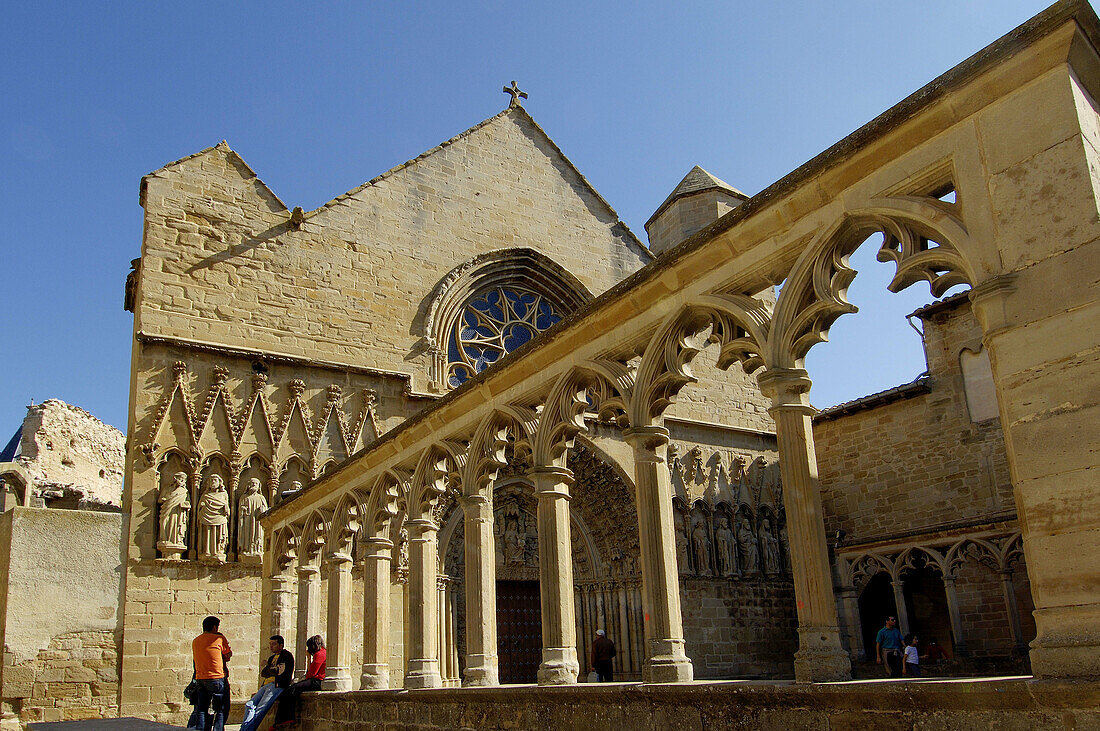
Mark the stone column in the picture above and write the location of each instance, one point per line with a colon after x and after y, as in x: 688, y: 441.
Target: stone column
x: 481, y: 592
x: 623, y: 640
x: 338, y: 641
x: 282, y: 607
x: 853, y: 631
x: 899, y: 602
x: 1009, y: 589
x: 559, y: 641
x: 422, y: 664
x: 309, y: 612
x: 820, y: 656
x: 665, y: 658
x: 955, y: 615
x: 377, y: 555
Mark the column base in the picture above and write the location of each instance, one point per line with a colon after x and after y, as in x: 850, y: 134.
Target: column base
x: 1067, y: 644
x: 337, y: 679
x: 481, y: 671
x: 423, y: 674
x: 559, y: 666
x: 670, y: 665
x: 820, y: 657
x: 374, y: 676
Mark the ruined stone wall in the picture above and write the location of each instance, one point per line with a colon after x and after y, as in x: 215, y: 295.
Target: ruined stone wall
x: 60, y: 616
x: 918, y: 462
x: 74, y: 459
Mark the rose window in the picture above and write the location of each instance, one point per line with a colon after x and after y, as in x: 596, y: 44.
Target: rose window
x: 492, y: 324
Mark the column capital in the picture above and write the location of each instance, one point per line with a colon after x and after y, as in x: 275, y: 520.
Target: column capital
x: 990, y: 302
x: 551, y: 481
x: 306, y: 570
x: 476, y: 506
x: 339, y: 559
x: 420, y: 526
x: 646, y: 437
x: 377, y: 549
x: 787, y: 388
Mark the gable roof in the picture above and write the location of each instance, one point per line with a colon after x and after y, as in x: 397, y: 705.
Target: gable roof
x: 515, y: 109
x: 224, y: 147
x: 697, y: 180
x: 523, y: 114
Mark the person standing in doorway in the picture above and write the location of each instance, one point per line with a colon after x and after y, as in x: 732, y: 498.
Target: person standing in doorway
x: 603, y: 650
x: 210, y: 651
x: 888, y: 647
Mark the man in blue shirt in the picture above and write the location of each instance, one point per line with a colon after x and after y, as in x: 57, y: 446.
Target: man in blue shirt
x: 888, y: 646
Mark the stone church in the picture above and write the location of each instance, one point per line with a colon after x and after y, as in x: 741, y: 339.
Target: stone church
x: 349, y: 422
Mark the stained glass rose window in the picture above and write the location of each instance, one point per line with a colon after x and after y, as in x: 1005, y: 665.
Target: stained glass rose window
x: 492, y: 324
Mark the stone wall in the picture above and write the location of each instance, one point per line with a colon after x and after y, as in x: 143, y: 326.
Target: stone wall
x: 767, y: 707
x: 742, y: 628
x: 60, y: 613
x: 917, y: 463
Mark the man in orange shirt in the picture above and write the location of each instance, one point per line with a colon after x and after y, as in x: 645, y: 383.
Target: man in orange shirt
x: 210, y: 651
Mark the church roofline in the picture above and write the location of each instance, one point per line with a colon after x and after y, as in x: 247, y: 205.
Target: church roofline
x: 224, y: 146
x: 630, y: 237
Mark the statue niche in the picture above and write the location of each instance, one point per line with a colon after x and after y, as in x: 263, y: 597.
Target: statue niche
x: 174, y: 510
x: 516, y: 538
x: 700, y: 546
x: 769, y: 548
x: 725, y: 544
x: 747, y: 546
x: 213, y: 520
x: 250, y: 534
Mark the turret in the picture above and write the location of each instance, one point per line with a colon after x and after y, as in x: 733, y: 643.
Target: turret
x: 698, y: 201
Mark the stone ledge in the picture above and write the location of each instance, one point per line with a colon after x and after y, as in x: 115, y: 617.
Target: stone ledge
x: 964, y: 703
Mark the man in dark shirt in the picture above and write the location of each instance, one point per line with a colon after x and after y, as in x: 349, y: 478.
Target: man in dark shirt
x: 277, y: 672
x: 603, y: 650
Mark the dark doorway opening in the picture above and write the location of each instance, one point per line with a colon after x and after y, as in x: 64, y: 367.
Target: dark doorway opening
x: 519, y: 631
x: 876, y: 603
x: 929, y: 617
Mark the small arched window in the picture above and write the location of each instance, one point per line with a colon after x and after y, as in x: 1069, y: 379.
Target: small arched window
x: 492, y: 324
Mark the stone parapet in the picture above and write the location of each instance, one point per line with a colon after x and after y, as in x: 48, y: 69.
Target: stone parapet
x: 978, y: 703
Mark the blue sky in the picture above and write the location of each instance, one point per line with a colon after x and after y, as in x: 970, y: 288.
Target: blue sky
x: 320, y: 98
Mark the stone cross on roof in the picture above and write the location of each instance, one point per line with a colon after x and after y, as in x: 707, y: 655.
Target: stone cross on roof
x: 516, y: 95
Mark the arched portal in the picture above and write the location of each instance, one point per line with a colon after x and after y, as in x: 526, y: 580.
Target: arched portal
x: 606, y: 571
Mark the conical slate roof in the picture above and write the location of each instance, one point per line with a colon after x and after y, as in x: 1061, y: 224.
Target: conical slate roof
x: 696, y: 181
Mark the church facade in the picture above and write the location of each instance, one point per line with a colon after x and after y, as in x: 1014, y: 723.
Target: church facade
x: 342, y: 421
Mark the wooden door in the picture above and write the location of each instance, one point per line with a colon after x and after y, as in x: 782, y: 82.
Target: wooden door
x: 519, y: 631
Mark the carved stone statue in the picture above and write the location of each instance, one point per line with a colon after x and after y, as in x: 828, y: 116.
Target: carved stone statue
x: 514, y: 540
x: 785, y: 546
x: 175, y: 507
x: 702, y: 549
x: 746, y: 544
x: 213, y: 519
x: 250, y: 534
x: 682, y: 548
x: 769, y: 545
x: 724, y: 543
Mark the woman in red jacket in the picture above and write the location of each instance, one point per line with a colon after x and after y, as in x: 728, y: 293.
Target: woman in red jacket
x: 288, y: 701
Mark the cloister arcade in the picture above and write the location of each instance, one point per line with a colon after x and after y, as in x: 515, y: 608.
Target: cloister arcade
x: 623, y: 358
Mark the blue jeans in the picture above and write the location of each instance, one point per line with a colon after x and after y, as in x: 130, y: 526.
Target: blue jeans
x: 210, y: 691
x: 258, y: 705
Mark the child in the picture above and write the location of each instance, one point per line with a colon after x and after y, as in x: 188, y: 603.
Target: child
x: 912, y: 656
